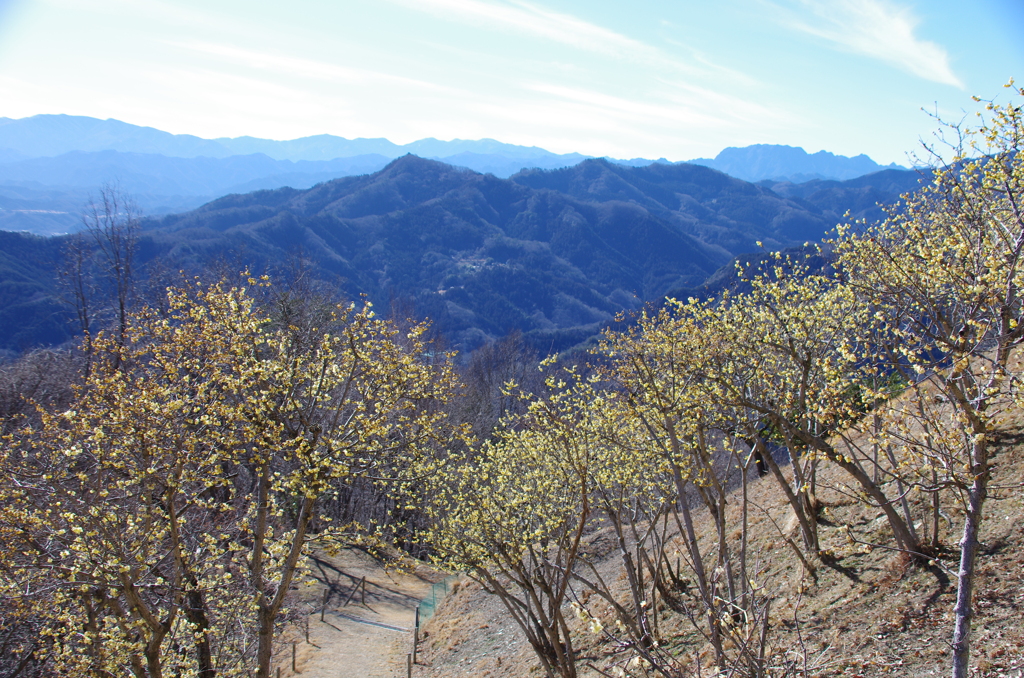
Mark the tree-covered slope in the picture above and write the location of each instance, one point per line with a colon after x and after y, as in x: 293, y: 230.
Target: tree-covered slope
x: 860, y: 196
x: 30, y: 314
x: 728, y: 214
x: 480, y: 255
x: 555, y: 254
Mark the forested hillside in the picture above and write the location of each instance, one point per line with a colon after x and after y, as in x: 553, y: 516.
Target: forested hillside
x: 553, y: 254
x: 698, y: 495
x: 50, y: 165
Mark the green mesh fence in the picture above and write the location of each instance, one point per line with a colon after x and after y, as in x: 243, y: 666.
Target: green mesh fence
x: 438, y: 591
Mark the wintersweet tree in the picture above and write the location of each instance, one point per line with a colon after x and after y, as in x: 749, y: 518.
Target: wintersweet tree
x: 363, y: 401
x: 121, y: 512
x: 633, y: 495
x: 779, y: 360
x: 158, y: 523
x: 513, y: 514
x: 943, y: 279
x: 793, y: 365
x: 659, y: 370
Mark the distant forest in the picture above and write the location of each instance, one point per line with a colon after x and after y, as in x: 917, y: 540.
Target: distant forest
x: 553, y: 255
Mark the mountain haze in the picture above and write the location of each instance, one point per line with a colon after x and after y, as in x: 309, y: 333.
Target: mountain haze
x: 204, y: 176
x: 52, y: 135
x: 51, y: 165
x: 47, y: 195
x: 554, y: 254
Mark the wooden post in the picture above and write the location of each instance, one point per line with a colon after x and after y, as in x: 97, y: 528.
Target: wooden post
x: 323, y: 608
x: 408, y: 665
x: 362, y: 582
x: 278, y: 672
x: 416, y: 634
x: 294, y: 669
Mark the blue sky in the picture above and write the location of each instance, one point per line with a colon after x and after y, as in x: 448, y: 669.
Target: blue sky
x: 647, y: 78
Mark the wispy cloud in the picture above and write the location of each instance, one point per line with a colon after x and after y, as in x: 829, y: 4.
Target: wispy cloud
x: 530, y: 19
x: 724, y: 106
x: 156, y: 10
x: 304, y: 68
x: 673, y: 111
x: 875, y: 28
x: 626, y: 109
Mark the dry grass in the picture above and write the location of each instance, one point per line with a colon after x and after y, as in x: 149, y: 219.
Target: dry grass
x: 874, y: 613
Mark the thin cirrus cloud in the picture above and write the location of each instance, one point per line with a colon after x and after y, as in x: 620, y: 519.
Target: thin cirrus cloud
x: 307, y: 68
x: 677, y: 111
x: 538, y: 22
x: 527, y: 18
x: 727, y: 107
x: 878, y: 29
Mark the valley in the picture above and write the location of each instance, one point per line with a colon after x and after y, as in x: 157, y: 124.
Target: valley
x: 554, y: 254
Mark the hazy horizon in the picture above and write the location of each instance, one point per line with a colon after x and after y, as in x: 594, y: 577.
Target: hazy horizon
x: 431, y: 139
x: 672, y: 80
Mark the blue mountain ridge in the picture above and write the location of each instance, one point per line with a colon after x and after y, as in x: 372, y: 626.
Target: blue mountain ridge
x: 51, y: 164
x: 54, y: 135
x: 789, y: 163
x: 555, y: 254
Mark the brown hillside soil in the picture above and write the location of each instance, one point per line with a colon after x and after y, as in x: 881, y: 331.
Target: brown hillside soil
x: 353, y: 641
x: 873, y: 613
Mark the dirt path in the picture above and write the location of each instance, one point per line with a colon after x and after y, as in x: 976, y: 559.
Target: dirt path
x: 367, y: 638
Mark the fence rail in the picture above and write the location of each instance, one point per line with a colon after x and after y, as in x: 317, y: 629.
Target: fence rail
x: 438, y: 591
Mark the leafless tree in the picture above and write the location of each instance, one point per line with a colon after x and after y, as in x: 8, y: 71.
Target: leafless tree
x: 112, y: 224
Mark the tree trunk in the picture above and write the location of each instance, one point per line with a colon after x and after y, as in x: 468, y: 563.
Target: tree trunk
x: 905, y: 538
x: 195, y: 610
x: 963, y: 612
x: 808, y: 527
x: 265, y: 639
x: 268, y: 610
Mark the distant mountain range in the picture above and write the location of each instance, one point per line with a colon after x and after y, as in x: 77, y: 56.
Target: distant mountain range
x: 52, y: 135
x: 50, y: 164
x: 552, y: 253
x: 788, y: 163
x: 551, y: 245
x: 46, y: 195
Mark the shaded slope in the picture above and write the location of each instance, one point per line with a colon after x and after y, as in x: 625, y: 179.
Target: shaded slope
x: 720, y: 211
x: 555, y: 254
x: 30, y: 314
x: 480, y: 255
x: 860, y: 196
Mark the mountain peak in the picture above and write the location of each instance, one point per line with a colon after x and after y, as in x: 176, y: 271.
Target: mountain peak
x: 411, y: 162
x: 778, y: 162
